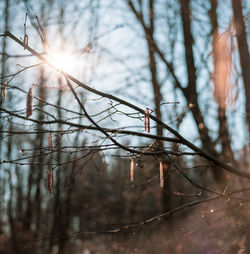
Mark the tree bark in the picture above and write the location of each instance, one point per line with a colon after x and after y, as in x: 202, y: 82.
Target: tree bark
x: 190, y: 92
x: 3, y: 72
x: 149, y: 35
x: 243, y: 52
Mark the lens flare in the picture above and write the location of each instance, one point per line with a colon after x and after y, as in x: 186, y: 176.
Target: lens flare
x: 62, y: 60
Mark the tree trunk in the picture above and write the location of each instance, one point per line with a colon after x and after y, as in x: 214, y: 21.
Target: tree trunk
x: 3, y: 73
x: 190, y: 92
x: 243, y: 52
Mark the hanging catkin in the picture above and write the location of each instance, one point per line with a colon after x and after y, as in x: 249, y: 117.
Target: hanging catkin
x: 29, y: 102
x: 4, y: 90
x: 50, y: 141
x: 132, y: 167
x: 147, y: 121
x: 161, y: 175
x: 50, y: 181
x: 25, y: 40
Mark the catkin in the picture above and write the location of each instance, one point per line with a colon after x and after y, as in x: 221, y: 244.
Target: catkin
x: 132, y: 167
x: 50, y: 141
x: 4, y: 90
x: 147, y: 121
x: 50, y: 180
x: 25, y: 40
x: 29, y: 102
x: 161, y: 175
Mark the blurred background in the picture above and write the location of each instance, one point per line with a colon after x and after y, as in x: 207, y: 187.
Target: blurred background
x: 64, y: 186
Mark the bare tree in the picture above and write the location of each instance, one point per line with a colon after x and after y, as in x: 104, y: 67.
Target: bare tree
x: 75, y: 178
x: 243, y: 51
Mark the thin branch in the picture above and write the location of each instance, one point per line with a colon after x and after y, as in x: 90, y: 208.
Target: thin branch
x: 204, y: 154
x: 87, y: 127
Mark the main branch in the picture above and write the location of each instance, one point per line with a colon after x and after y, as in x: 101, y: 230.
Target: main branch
x: 182, y: 140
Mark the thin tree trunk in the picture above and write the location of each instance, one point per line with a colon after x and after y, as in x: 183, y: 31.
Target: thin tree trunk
x: 149, y: 34
x: 57, y: 200
x: 11, y: 218
x: 3, y: 63
x: 190, y: 92
x: 245, y: 66
x: 40, y: 138
x: 57, y: 218
x: 3, y: 72
x: 243, y: 52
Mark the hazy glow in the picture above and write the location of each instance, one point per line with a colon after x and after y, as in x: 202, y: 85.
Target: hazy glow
x: 63, y: 60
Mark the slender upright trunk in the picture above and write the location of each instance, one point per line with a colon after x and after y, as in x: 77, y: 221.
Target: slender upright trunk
x: 12, y: 224
x: 56, y: 220
x: 245, y: 67
x: 190, y: 92
x: 40, y: 139
x: 149, y: 34
x: 3, y: 65
x: 243, y: 52
x: 3, y: 73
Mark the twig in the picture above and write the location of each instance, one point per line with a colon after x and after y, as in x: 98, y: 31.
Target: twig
x: 204, y: 154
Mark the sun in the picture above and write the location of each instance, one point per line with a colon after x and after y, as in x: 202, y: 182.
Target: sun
x: 62, y: 60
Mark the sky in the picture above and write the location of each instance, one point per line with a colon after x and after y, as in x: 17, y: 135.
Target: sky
x: 117, y: 62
